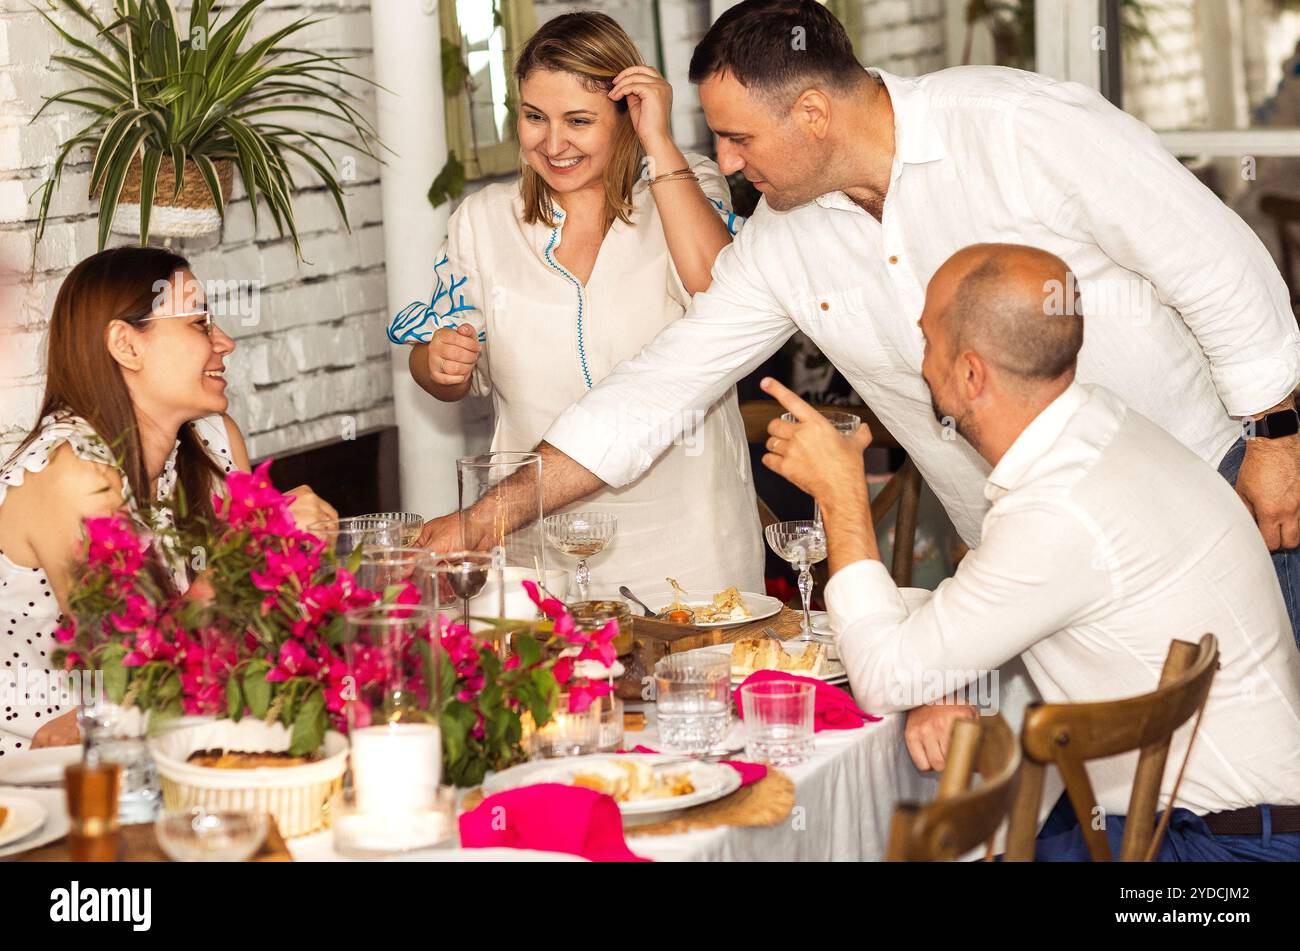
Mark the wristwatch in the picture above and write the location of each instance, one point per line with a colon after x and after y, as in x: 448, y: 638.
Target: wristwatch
x: 1284, y: 422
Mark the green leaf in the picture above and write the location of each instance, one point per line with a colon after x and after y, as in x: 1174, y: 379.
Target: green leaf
x: 115, y: 675
x: 309, y: 725
x: 449, y: 183
x: 454, y: 70
x: 526, y: 646
x: 257, y: 690
x: 148, y: 182
x: 234, y: 699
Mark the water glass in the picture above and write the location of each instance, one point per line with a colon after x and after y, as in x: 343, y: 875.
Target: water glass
x: 348, y: 534
x: 112, y: 734
x: 778, y: 718
x: 693, y: 700
x: 381, y: 568
x: 410, y: 525
x: 501, y: 509
x: 609, y: 711
x: 197, y: 835
x: 845, y: 424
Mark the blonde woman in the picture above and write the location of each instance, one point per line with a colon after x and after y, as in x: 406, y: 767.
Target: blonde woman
x: 546, y: 283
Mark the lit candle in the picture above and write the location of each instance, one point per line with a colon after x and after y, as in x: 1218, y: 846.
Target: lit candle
x: 396, y: 767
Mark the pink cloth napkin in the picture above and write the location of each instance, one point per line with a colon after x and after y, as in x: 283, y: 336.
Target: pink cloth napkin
x: 833, y: 709
x: 749, y: 772
x: 551, y: 818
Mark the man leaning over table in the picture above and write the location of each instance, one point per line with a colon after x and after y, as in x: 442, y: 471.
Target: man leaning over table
x: 1105, y: 539
x: 870, y: 181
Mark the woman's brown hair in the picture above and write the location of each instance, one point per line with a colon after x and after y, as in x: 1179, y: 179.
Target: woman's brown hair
x: 592, y: 47
x: 83, y: 379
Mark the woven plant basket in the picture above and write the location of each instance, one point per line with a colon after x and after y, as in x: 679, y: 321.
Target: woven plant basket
x: 193, y: 213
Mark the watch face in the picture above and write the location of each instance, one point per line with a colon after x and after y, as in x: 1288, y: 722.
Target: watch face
x: 1277, y: 425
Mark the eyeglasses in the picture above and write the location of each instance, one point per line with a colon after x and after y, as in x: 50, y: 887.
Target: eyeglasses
x: 208, y: 322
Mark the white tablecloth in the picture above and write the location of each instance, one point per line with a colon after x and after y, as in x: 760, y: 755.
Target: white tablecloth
x: 844, y: 799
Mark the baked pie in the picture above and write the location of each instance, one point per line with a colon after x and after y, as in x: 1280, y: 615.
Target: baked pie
x: 727, y: 605
x: 239, y: 759
x: 768, y: 653
x: 630, y: 779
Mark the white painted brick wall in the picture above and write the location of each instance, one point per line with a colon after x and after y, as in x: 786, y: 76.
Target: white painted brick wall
x: 316, y: 359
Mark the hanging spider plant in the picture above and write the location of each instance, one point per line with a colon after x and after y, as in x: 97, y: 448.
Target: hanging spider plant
x: 175, y: 112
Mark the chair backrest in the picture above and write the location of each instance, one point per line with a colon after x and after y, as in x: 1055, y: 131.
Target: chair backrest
x: 1285, y: 213
x: 1070, y: 734
x: 902, y: 489
x: 960, y: 817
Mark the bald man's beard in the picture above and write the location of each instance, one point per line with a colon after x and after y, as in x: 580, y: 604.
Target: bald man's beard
x: 961, y: 423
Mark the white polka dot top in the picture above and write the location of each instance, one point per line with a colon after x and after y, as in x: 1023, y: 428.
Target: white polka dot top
x: 29, y: 611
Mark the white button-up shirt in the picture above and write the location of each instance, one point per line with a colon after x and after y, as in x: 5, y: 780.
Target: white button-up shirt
x: 1187, y: 317
x: 1106, y: 539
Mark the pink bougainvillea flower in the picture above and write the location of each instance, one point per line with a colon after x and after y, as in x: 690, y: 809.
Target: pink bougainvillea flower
x: 581, y: 696
x: 294, y: 661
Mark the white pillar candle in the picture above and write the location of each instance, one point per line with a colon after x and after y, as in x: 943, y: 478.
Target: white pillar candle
x: 396, y: 767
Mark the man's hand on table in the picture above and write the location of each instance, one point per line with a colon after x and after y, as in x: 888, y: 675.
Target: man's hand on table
x: 1269, y: 484
x: 928, y: 729
x: 441, y: 534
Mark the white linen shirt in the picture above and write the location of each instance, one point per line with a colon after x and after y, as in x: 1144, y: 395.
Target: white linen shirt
x: 1106, y: 539
x: 1187, y: 317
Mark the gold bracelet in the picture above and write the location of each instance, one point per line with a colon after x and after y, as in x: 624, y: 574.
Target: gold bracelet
x: 682, y: 174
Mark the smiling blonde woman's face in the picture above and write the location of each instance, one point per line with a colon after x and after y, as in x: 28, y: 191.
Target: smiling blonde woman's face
x: 567, y: 131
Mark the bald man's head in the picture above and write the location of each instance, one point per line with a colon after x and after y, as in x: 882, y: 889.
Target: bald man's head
x: 1003, y: 302
x: 1002, y: 330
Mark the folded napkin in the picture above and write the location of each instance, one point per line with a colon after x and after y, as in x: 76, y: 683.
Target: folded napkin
x: 549, y: 817
x: 833, y: 709
x: 749, y: 772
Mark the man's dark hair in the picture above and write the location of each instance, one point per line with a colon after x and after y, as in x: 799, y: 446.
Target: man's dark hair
x: 778, y: 48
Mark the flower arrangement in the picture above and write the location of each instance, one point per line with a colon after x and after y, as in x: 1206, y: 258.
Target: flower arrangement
x: 261, y: 629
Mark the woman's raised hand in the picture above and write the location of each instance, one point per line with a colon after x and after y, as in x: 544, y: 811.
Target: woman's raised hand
x: 452, y: 354
x: 649, y: 105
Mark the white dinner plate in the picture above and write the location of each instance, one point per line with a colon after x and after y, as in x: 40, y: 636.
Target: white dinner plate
x: 33, y: 767
x: 760, y: 605
x: 711, y: 780
x: 835, y: 673
x: 23, y: 817
x: 56, y: 819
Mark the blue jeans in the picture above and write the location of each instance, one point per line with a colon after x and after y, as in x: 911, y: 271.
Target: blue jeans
x: 1186, y: 840
x: 1286, y: 561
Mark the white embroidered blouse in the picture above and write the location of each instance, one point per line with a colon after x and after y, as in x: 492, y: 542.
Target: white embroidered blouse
x: 29, y: 611
x: 550, y: 338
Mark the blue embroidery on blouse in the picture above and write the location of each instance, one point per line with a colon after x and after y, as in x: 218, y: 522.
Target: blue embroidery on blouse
x: 582, y: 348
x: 734, y: 221
x: 412, y: 323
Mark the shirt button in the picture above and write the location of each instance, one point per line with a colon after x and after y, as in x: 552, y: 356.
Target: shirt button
x: 893, y: 259
x: 826, y: 305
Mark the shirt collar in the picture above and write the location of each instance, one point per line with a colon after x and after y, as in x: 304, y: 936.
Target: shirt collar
x: 1034, y: 442
x: 916, y: 140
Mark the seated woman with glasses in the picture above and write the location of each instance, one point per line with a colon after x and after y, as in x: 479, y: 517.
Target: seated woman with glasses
x: 134, y: 408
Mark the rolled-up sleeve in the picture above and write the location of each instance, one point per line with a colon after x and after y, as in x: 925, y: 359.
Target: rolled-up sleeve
x: 628, y: 419
x: 1042, y: 569
x: 1092, y: 172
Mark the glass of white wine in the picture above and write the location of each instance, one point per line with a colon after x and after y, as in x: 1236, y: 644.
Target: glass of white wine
x: 803, y: 544
x: 845, y: 424
x: 581, y: 534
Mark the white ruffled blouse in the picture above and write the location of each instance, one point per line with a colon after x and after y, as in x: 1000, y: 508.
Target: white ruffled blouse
x: 29, y: 611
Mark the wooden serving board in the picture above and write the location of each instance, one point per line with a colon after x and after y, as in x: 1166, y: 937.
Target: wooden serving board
x: 137, y: 843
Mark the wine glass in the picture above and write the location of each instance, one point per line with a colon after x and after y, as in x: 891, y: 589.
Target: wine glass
x: 845, y: 424
x: 581, y: 534
x: 458, y: 578
x: 803, y: 544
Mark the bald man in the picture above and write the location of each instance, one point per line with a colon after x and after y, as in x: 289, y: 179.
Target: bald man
x: 1105, y: 539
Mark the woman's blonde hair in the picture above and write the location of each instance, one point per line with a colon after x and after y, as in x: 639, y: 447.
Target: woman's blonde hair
x: 594, y: 48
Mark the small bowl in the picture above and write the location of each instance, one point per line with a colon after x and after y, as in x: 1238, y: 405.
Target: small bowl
x: 680, y: 616
x: 197, y: 835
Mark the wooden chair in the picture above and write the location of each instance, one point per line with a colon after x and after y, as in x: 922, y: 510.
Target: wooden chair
x: 903, y: 487
x: 1285, y: 213
x: 1069, y: 734
x: 959, y: 817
